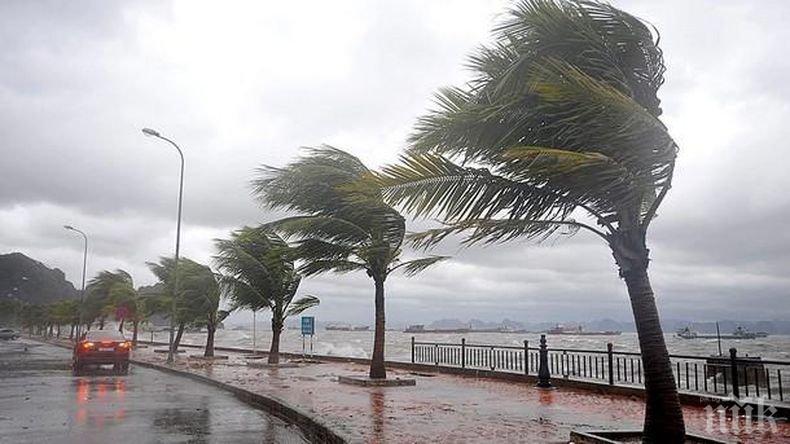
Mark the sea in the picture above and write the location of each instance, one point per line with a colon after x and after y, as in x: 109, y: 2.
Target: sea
x: 359, y: 344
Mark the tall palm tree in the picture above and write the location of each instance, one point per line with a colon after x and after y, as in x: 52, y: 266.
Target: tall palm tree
x: 202, y: 291
x: 259, y: 273
x: 557, y: 132
x: 197, y: 303
x: 100, y: 301
x: 341, y: 226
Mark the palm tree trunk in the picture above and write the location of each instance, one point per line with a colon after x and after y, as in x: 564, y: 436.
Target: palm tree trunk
x: 135, y: 325
x: 179, y: 333
x: 663, y: 413
x: 58, y: 332
x: 209, y: 353
x: 274, y: 350
x: 377, y: 369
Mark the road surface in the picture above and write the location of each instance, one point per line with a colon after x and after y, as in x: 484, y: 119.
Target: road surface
x: 40, y: 401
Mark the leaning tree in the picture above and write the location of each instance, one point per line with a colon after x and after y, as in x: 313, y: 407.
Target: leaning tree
x: 200, y: 291
x: 197, y: 301
x: 258, y: 272
x: 341, y: 226
x: 106, y: 294
x: 557, y: 131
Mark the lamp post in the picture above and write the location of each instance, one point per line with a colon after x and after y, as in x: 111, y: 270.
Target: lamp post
x: 154, y: 133
x: 84, y: 269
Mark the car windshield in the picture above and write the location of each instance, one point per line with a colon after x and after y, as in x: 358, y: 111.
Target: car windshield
x: 104, y: 335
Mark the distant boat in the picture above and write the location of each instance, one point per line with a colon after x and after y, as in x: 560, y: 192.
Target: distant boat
x: 419, y: 328
x: 346, y: 327
x: 738, y: 333
x: 579, y: 331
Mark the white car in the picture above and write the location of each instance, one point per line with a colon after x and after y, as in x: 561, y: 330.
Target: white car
x: 7, y: 333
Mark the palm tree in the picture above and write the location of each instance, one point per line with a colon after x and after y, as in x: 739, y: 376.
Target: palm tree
x: 342, y: 227
x: 259, y: 273
x: 557, y: 132
x: 197, y: 303
x: 100, y: 299
x: 65, y: 312
x: 201, y: 292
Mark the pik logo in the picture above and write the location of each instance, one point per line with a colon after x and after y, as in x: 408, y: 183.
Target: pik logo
x: 757, y: 417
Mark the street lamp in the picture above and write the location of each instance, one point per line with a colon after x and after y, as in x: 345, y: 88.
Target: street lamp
x: 84, y: 269
x: 154, y: 133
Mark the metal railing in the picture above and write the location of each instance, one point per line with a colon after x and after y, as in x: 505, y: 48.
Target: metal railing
x: 754, y: 377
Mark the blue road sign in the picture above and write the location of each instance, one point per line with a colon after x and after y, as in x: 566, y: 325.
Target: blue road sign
x: 308, y: 325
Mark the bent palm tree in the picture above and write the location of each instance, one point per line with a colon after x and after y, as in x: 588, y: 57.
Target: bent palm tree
x: 197, y: 297
x: 106, y: 293
x: 342, y: 227
x: 259, y: 273
x: 201, y: 291
x: 558, y: 130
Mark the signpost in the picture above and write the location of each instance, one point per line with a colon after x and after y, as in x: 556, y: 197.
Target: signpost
x: 308, y: 329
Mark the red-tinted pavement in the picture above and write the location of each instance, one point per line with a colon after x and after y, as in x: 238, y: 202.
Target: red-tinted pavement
x: 447, y: 408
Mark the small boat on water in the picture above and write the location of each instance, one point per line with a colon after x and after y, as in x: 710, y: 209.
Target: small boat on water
x: 738, y: 333
x: 579, y: 331
x: 419, y: 328
x: 346, y: 327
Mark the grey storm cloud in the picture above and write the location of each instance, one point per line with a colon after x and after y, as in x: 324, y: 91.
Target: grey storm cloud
x: 249, y: 83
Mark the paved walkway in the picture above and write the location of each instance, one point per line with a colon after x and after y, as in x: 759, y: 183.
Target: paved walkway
x: 446, y: 408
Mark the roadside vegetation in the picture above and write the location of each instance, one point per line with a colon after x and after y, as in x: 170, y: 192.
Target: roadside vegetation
x: 558, y: 132
x: 341, y: 225
x: 258, y: 273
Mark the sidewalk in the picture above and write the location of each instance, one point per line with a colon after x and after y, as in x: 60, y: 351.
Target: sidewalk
x: 444, y: 408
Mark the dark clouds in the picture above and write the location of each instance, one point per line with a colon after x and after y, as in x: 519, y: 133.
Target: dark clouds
x: 249, y: 84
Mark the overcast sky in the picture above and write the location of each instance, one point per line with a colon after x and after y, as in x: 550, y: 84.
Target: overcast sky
x: 238, y: 84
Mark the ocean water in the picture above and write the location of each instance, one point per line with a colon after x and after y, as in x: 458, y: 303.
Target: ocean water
x: 359, y: 344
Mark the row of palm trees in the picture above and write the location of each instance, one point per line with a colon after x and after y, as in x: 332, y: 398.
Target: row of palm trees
x: 558, y: 131
x: 256, y: 271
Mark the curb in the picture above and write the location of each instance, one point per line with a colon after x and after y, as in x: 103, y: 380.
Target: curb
x: 313, y: 428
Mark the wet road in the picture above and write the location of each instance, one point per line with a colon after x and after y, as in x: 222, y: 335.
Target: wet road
x: 40, y: 401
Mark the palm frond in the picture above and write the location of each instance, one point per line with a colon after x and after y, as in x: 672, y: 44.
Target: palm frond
x: 340, y: 266
x: 429, y: 184
x: 413, y: 267
x: 302, y: 304
x: 490, y: 231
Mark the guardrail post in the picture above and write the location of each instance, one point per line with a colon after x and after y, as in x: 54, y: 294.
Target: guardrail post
x: 412, y: 349
x: 543, y: 369
x: 526, y: 357
x: 734, y: 371
x: 610, y: 355
x: 436, y: 354
x: 463, y: 352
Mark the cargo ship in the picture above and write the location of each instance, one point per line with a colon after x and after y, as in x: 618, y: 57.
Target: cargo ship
x: 344, y: 327
x: 419, y: 328
x: 738, y: 333
x: 579, y: 331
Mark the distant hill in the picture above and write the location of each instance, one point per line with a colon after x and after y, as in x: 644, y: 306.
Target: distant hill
x: 29, y: 280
